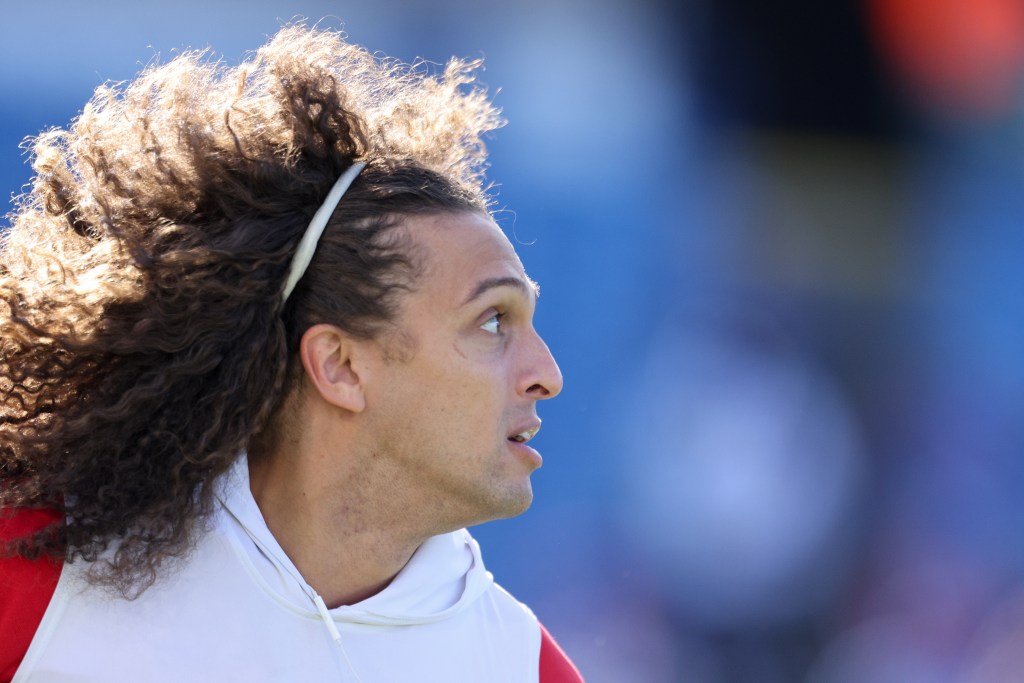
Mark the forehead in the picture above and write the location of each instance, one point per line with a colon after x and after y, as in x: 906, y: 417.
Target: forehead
x: 458, y: 251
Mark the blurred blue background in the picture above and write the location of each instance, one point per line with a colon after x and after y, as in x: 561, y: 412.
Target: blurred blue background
x: 781, y: 244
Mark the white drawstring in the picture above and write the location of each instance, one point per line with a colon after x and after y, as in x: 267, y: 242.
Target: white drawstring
x: 310, y: 592
x: 326, y: 616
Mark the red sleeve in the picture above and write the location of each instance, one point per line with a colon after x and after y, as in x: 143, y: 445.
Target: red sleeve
x: 555, y: 666
x: 25, y: 589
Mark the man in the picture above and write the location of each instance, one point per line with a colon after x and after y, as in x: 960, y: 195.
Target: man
x: 265, y: 354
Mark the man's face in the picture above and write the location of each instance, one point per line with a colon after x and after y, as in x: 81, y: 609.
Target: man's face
x: 455, y: 414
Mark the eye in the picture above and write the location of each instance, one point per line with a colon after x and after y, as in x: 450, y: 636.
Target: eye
x: 493, y: 324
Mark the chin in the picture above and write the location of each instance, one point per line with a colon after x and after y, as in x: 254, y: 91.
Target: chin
x: 517, y: 503
x: 503, y: 504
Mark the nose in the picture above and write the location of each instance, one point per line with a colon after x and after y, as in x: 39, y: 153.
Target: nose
x: 542, y: 378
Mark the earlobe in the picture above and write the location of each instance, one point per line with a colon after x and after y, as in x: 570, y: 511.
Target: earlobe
x: 328, y: 356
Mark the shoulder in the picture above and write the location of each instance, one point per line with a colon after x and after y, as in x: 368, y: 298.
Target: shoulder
x: 555, y: 665
x: 26, y: 587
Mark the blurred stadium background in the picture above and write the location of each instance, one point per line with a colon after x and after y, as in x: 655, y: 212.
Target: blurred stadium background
x: 781, y: 244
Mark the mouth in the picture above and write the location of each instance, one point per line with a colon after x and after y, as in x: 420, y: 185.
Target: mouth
x: 518, y: 439
x: 525, y: 435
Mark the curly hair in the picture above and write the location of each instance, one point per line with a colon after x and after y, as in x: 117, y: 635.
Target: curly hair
x: 143, y: 339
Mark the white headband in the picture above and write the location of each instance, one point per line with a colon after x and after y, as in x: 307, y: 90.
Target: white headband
x: 307, y: 245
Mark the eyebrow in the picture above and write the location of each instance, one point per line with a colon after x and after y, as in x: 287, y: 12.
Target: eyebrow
x: 526, y: 286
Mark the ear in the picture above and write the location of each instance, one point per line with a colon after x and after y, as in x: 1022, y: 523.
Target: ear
x: 330, y: 356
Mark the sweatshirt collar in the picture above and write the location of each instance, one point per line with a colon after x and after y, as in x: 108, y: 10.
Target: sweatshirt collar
x: 444, y: 576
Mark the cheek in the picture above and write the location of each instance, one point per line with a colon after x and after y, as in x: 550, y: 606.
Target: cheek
x: 480, y: 392
x: 468, y: 376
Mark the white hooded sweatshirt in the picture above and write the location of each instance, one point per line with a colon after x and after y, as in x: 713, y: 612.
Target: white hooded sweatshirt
x: 237, y: 609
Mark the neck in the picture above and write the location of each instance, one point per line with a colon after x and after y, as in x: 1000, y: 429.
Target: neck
x: 331, y: 524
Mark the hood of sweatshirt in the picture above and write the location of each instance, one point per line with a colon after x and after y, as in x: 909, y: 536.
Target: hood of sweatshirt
x: 443, y: 577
